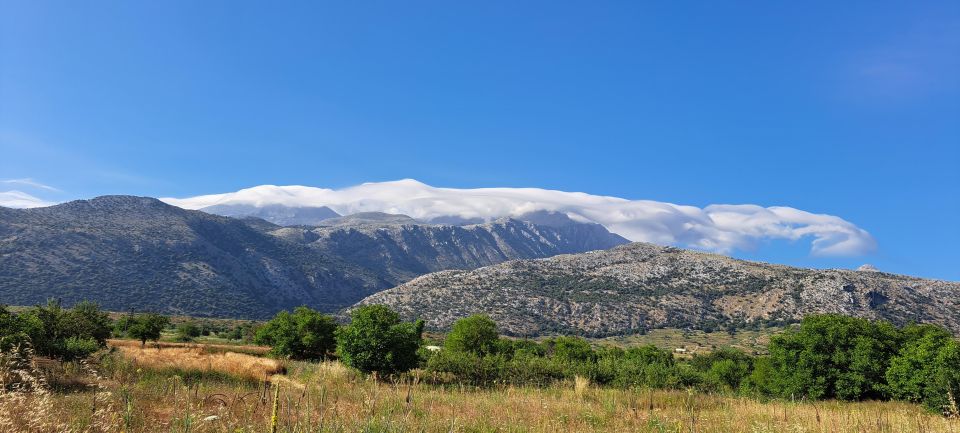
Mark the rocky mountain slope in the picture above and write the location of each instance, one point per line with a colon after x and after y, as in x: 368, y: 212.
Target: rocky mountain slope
x: 364, y: 218
x: 398, y: 249
x: 136, y: 253
x: 641, y: 286
x: 275, y: 213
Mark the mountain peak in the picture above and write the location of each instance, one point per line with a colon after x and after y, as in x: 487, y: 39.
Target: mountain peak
x: 115, y: 203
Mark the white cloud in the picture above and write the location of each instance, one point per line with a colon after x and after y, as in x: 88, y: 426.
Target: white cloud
x: 29, y: 183
x: 720, y: 228
x: 18, y: 199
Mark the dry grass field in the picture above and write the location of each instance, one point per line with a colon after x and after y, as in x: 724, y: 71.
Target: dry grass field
x: 208, y: 348
x: 200, y: 359
x: 157, y: 390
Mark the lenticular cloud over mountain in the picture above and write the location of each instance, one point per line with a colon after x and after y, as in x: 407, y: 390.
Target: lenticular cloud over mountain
x: 721, y: 228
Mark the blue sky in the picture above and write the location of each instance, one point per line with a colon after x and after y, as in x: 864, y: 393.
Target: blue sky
x: 844, y: 108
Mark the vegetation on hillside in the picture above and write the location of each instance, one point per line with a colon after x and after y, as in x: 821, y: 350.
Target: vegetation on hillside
x: 825, y: 357
x: 640, y: 388
x: 639, y: 287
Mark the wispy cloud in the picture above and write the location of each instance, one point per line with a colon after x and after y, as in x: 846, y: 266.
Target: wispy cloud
x: 720, y: 228
x: 29, y: 183
x: 19, y: 199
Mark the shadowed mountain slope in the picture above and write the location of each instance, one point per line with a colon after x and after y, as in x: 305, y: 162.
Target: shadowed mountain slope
x: 136, y: 253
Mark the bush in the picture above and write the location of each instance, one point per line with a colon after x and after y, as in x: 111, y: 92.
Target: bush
x: 12, y: 334
x: 519, y: 347
x: 85, y: 320
x: 304, y: 334
x: 187, y: 331
x: 645, y: 366
x: 724, y: 369
x: 243, y: 331
x: 376, y: 340
x: 79, y: 348
x: 65, y: 333
x: 468, y: 367
x: 571, y: 350
x: 475, y: 334
x: 944, y: 388
x: 759, y: 383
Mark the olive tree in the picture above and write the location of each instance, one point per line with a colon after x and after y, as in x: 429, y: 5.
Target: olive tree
x: 377, y: 341
x: 304, y: 334
x: 475, y: 334
x: 147, y: 326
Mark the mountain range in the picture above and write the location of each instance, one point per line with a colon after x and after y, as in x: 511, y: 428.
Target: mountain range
x: 138, y: 253
x: 716, y: 227
x: 538, y: 273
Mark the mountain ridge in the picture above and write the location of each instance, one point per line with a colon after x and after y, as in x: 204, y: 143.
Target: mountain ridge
x: 717, y: 227
x: 641, y: 286
x: 129, y: 252
x: 139, y: 253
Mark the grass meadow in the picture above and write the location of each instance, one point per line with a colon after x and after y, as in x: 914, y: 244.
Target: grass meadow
x: 191, y: 388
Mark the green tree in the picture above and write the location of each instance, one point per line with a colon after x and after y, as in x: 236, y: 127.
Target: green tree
x: 927, y: 368
x: 645, y: 366
x: 833, y: 356
x: 944, y: 390
x: 725, y: 367
x: 11, y: 331
x: 43, y: 324
x: 305, y: 334
x: 376, y: 340
x: 475, y: 334
x: 760, y: 380
x: 66, y: 333
x: 147, y: 326
x: 572, y: 350
x: 243, y: 331
x: 85, y: 320
x: 187, y: 331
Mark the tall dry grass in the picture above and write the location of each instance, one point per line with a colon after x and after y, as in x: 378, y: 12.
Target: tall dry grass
x: 328, y: 397
x: 236, y: 348
x: 199, y: 359
x: 28, y: 405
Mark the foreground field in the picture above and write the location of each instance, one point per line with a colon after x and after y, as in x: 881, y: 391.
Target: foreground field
x: 192, y: 390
